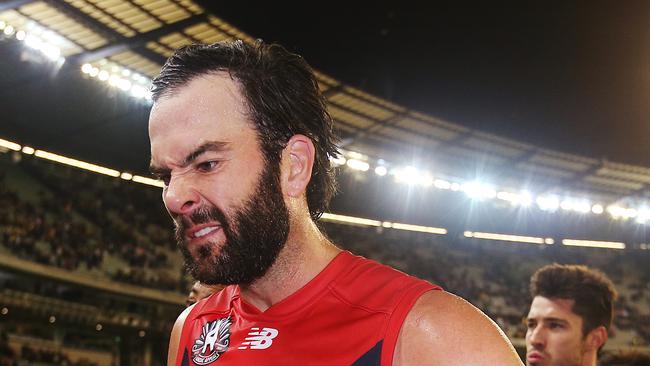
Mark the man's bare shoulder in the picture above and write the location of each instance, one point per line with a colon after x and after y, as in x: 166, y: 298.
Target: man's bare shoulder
x: 175, y: 337
x: 444, y: 329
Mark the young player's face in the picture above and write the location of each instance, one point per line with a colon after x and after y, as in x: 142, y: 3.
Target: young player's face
x: 554, y: 336
x: 226, y: 201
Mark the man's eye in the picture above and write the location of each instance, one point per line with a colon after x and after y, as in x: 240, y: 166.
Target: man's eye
x: 207, y: 166
x: 555, y: 326
x: 530, y: 325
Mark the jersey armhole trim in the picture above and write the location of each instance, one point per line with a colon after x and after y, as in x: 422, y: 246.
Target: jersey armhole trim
x: 398, y: 316
x: 185, y: 334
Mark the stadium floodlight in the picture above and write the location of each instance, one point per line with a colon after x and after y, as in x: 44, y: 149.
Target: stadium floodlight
x: 479, y: 191
x: 148, y: 181
x: 338, y: 160
x: 3, y: 24
x: 597, y: 209
x: 350, y: 220
x: 124, y: 84
x: 126, y: 176
x: 103, y: 75
x: 138, y: 91
x: 76, y: 163
x: 441, y: 184
x: 410, y: 175
x: 455, y: 187
x: 93, y: 72
x: 28, y: 150
x: 582, y: 206
x: 356, y: 155
x: 548, y: 203
x: 10, y: 145
x: 20, y: 35
x: 508, y: 238
x: 358, y: 165
x: 9, y: 30
x: 643, y: 216
x: 50, y: 51
x: 593, y: 243
x: 619, y: 212
x: 86, y: 68
x: 126, y: 72
x: 418, y: 228
x: 381, y: 170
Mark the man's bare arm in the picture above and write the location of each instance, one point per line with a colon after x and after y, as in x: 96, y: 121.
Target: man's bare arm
x: 175, y: 338
x: 443, y: 329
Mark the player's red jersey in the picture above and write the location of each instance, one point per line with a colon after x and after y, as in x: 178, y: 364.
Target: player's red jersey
x: 349, y: 314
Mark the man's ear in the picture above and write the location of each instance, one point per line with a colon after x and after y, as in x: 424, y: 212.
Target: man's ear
x: 597, y: 337
x: 297, y: 164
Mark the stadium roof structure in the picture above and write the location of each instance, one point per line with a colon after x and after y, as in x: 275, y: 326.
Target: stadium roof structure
x: 137, y: 36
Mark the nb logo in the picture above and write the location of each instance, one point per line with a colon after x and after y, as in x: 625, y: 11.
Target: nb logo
x: 259, y: 339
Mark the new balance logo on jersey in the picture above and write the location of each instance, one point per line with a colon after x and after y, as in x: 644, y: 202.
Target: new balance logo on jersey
x: 259, y: 339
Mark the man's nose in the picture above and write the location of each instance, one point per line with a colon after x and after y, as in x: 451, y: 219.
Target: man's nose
x: 536, y: 337
x: 180, y: 197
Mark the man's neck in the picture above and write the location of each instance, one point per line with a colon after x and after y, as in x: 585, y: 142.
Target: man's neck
x: 306, y: 253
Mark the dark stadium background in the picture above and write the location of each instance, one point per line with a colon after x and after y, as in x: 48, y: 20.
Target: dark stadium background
x: 77, y: 248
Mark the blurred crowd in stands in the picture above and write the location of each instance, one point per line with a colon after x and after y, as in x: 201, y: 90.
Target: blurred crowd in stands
x: 86, y: 222
x: 494, y: 276
x: 82, y: 221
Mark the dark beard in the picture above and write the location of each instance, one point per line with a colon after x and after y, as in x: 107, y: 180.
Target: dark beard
x: 254, y: 237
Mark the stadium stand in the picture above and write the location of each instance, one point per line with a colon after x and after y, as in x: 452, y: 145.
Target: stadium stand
x: 94, y: 255
x: 42, y: 222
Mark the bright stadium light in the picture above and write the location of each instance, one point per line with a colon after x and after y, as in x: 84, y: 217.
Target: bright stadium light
x: 508, y: 238
x: 28, y: 150
x: 381, y: 170
x: 103, y: 75
x: 643, y: 216
x: 138, y: 91
x: 10, y: 145
x: 148, y: 181
x: 20, y: 35
x: 338, y: 160
x: 597, y: 209
x: 410, y: 175
x: 126, y: 176
x: 3, y: 24
x: 350, y: 220
x: 86, y: 68
x: 479, y: 191
x: 548, y: 203
x: 9, y: 30
x: 358, y: 165
x: 441, y: 184
x: 418, y: 228
x: 522, y: 199
x: 593, y: 243
x: 76, y: 163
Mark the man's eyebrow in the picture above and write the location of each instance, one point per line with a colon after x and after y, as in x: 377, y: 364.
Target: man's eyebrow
x: 208, y: 146
x: 558, y: 320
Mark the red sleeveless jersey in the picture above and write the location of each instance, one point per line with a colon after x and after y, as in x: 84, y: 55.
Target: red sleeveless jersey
x: 349, y: 314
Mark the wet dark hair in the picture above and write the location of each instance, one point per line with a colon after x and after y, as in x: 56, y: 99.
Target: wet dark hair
x: 281, y: 94
x: 593, y: 293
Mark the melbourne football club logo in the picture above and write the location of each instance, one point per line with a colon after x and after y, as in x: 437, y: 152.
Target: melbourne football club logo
x: 213, y: 341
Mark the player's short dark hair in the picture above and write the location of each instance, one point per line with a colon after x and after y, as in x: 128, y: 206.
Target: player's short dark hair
x: 593, y: 293
x: 281, y: 94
